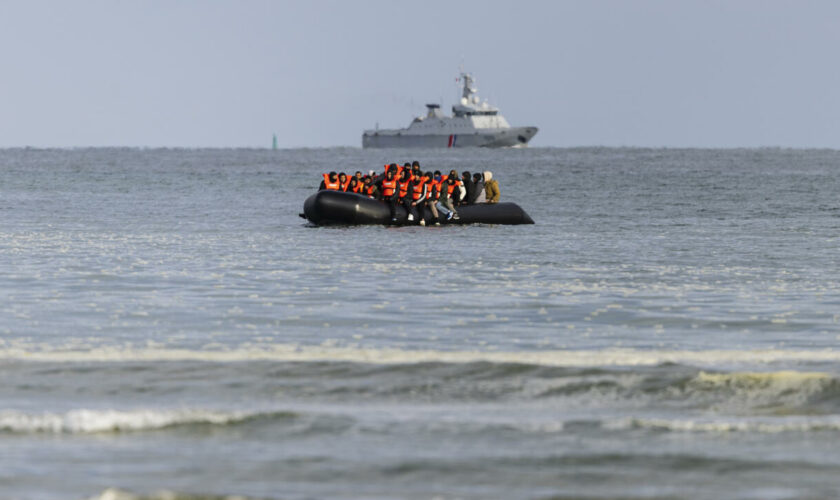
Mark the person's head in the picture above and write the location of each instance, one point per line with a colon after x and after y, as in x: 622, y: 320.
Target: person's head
x: 488, y: 175
x: 476, y: 177
x: 358, y: 174
x: 390, y: 173
x: 367, y: 180
x: 393, y: 167
x: 333, y: 176
x: 437, y: 175
x: 466, y: 176
x: 428, y: 176
x: 453, y: 174
x: 415, y: 163
x: 404, y: 174
x: 342, y: 177
x: 407, y: 166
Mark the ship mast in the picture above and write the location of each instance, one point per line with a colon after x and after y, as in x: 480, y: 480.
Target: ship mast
x: 469, y: 90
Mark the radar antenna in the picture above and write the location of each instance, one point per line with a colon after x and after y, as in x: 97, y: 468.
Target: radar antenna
x: 469, y: 90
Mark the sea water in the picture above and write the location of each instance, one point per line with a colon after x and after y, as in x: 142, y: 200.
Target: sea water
x: 171, y: 328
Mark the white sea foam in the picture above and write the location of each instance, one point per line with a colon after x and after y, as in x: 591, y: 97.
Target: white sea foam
x: 331, y: 353
x: 766, y: 425
x: 776, y: 383
x: 88, y: 421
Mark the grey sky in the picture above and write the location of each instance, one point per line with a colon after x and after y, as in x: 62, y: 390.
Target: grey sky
x: 204, y: 73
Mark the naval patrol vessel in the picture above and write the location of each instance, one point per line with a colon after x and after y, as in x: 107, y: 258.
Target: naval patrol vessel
x: 473, y: 124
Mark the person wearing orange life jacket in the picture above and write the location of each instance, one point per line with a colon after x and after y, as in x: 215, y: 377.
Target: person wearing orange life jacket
x: 404, y: 182
x: 354, y: 186
x: 415, y: 200
x: 432, y: 197
x: 437, y: 181
x: 330, y: 182
x: 369, y: 189
x: 415, y: 167
x: 447, y: 190
x: 396, y: 168
x: 458, y: 186
x: 389, y: 189
x: 344, y: 180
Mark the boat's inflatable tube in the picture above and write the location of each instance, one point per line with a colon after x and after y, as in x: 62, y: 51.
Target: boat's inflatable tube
x: 337, y: 207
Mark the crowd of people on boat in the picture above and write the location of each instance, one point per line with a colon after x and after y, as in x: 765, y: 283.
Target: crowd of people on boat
x: 409, y: 186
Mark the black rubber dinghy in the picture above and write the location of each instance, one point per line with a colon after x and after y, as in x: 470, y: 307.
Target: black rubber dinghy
x: 339, y: 208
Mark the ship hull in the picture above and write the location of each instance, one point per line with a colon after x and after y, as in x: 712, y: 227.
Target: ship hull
x: 504, y: 138
x: 326, y: 208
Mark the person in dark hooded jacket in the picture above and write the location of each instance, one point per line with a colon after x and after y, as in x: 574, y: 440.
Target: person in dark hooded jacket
x: 467, y: 182
x: 478, y: 190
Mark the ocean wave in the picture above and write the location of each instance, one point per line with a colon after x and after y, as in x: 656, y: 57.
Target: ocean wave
x: 342, y: 375
x: 768, y: 393
x: 768, y: 390
x: 746, y: 425
x: 385, y: 355
x: 87, y: 421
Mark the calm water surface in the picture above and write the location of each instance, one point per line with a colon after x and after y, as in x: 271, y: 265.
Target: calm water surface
x: 170, y: 327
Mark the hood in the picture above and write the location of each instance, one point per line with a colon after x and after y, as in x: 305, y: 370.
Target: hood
x: 487, y: 175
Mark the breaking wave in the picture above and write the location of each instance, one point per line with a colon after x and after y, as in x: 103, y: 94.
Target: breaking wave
x: 626, y: 379
x: 85, y: 421
x: 753, y: 425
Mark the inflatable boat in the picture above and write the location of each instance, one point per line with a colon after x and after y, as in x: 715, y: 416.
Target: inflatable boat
x: 339, y: 208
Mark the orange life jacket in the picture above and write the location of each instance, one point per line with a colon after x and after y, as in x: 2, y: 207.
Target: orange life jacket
x: 345, y: 184
x: 369, y: 190
x: 404, y: 188
x: 451, y: 187
x: 389, y: 187
x: 397, y: 173
x: 434, y: 189
x: 417, y: 190
x: 333, y: 185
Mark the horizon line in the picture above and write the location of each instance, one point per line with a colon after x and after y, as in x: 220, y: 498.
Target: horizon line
x: 289, y: 148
